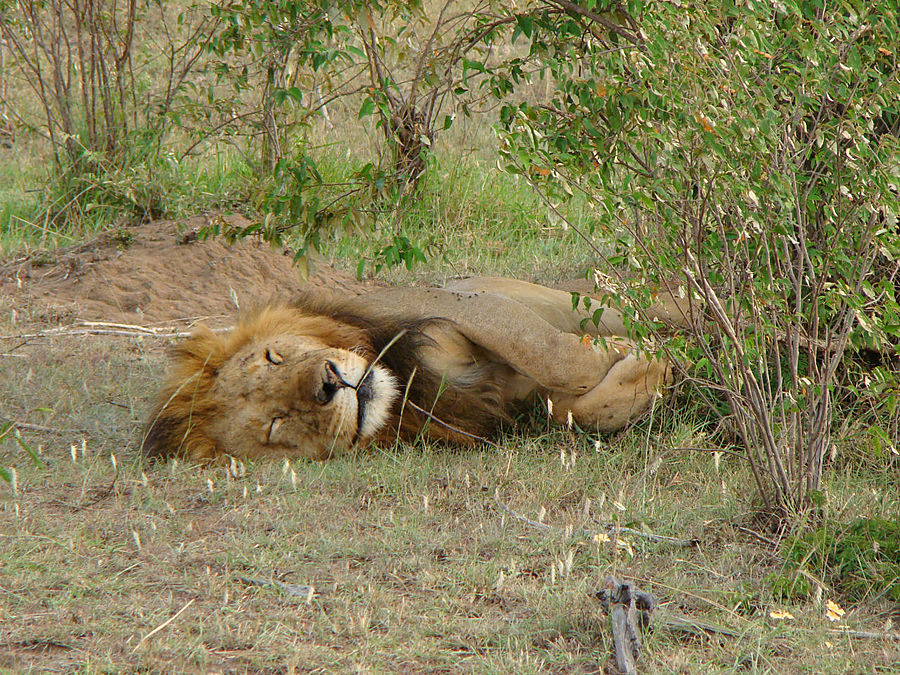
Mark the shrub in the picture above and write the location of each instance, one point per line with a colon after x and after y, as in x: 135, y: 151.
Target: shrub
x: 746, y: 156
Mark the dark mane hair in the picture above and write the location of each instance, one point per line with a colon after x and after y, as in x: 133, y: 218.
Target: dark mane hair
x: 473, y: 406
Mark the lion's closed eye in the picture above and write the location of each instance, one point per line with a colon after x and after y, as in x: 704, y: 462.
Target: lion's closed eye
x: 273, y: 427
x: 274, y: 357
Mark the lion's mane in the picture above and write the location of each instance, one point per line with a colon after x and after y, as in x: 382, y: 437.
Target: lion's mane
x: 455, y: 411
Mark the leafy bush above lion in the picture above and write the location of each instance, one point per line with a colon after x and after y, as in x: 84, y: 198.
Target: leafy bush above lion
x: 334, y: 371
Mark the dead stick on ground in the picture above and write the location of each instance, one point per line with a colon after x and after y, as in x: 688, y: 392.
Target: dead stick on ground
x: 629, y: 612
x: 38, y: 427
x: 106, y: 328
x: 757, y: 535
x: 163, y: 625
x: 866, y: 635
x: 68, y: 332
x: 612, y: 529
x: 686, y: 626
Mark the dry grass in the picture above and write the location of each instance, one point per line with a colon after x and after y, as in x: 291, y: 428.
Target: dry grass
x: 415, y: 568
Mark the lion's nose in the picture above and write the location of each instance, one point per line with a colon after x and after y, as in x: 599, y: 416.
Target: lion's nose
x: 332, y: 381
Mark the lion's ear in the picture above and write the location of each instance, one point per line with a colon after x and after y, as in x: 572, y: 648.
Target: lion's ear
x: 177, y: 424
x: 174, y: 432
x: 202, y: 353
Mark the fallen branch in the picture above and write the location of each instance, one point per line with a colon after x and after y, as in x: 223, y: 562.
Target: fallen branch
x: 644, y: 603
x: 658, y: 538
x: 865, y: 635
x: 107, y: 328
x: 629, y: 612
x: 611, y: 529
x: 72, y: 331
x: 681, y: 624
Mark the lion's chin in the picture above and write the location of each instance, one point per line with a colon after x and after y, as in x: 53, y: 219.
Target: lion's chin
x: 374, y: 398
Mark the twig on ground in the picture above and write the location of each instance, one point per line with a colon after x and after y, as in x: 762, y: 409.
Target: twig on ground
x: 96, y: 499
x: 698, y: 596
x: 39, y: 427
x: 118, y: 405
x: 447, y: 425
x: 757, y: 535
x: 629, y: 612
x: 681, y: 624
x: 865, y: 635
x: 612, y: 529
x: 72, y: 331
x: 519, y: 516
x: 16, y: 347
x: 107, y: 328
x: 163, y: 625
x: 658, y: 538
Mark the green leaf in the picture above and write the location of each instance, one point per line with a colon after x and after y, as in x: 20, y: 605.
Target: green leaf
x: 368, y: 107
x: 526, y: 25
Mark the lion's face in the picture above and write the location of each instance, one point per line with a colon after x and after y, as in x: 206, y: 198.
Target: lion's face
x: 280, y: 385
x: 296, y: 396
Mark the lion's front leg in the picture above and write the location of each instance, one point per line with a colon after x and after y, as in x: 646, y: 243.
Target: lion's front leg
x: 627, y: 390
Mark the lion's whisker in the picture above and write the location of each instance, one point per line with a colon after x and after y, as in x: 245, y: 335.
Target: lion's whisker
x: 375, y: 361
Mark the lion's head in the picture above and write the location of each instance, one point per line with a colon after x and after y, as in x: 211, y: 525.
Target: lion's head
x: 280, y: 384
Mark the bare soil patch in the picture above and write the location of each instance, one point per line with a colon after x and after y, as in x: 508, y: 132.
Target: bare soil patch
x: 159, y: 272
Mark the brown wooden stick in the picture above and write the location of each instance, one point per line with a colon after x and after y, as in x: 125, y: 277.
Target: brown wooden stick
x: 40, y: 428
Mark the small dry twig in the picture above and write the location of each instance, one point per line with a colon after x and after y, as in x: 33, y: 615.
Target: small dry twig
x: 39, y: 427
x: 96, y: 499
x: 681, y: 624
x: 108, y: 328
x: 865, y: 635
x: 760, y: 537
x: 163, y: 625
x: 455, y: 429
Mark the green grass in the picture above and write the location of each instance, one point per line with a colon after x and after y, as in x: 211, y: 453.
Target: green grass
x: 468, y: 218
x: 21, y: 178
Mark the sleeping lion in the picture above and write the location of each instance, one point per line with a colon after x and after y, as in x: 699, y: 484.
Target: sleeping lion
x: 333, y: 371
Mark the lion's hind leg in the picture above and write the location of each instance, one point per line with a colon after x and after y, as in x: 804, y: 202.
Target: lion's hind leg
x: 629, y: 389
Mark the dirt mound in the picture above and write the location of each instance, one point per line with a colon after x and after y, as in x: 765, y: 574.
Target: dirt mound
x: 159, y: 272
